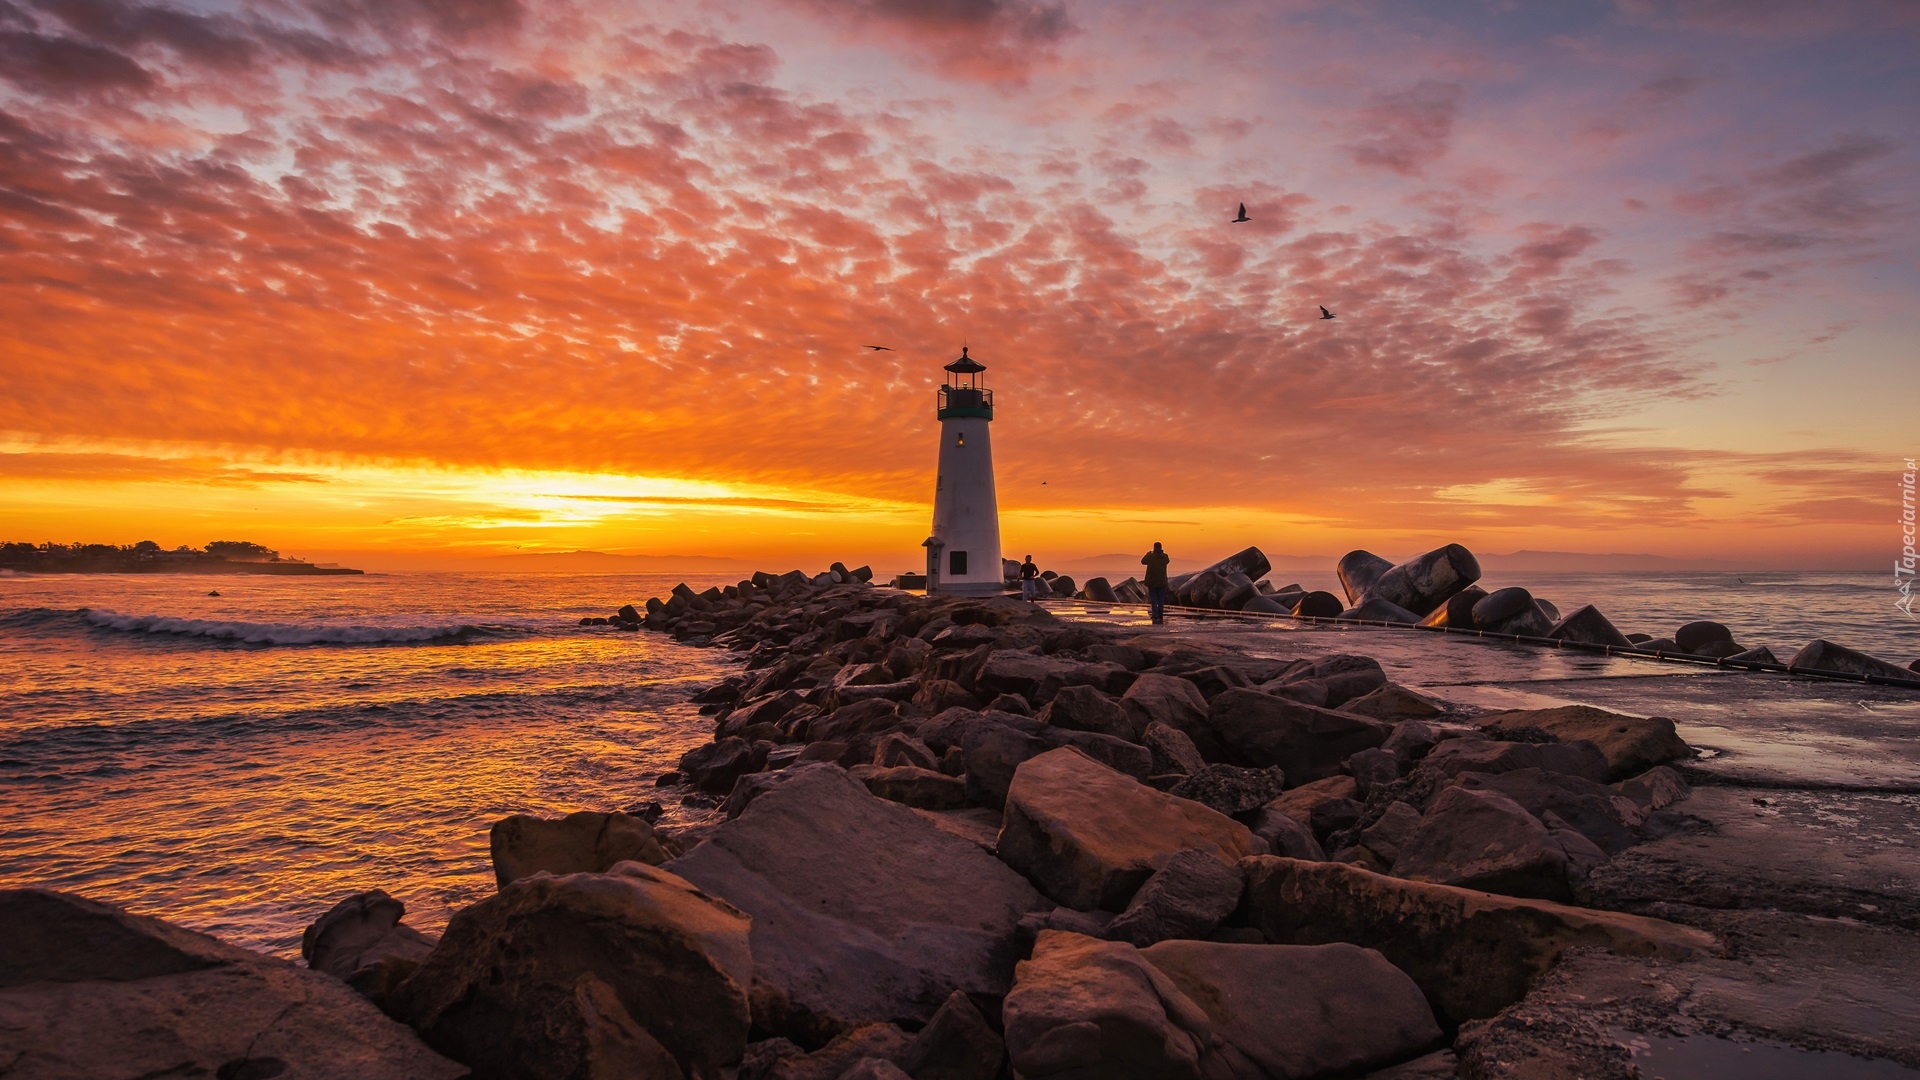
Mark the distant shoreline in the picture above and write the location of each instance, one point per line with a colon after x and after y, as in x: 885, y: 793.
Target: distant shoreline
x: 279, y: 569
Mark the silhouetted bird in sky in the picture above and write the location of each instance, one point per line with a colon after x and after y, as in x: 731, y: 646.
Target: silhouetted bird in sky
x: 1243, y: 214
x: 879, y: 348
x: 1325, y: 314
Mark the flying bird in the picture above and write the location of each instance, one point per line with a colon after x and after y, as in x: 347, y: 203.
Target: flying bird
x: 879, y: 348
x: 1325, y: 314
x: 1243, y: 214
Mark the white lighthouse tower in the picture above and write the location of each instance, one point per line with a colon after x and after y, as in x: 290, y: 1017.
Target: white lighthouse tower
x: 963, y: 554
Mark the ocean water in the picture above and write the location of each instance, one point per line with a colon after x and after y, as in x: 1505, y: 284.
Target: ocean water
x: 239, y: 763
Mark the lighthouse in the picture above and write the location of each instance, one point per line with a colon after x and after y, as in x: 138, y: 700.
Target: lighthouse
x: 963, y: 554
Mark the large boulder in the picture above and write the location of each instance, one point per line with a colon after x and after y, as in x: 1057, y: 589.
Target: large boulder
x: 362, y: 941
x: 1358, y: 570
x: 1472, y: 953
x: 1300, y: 803
x: 716, y: 766
x: 1254, y: 728
x: 1601, y: 814
x: 1630, y: 744
x: 957, y: 1044
x: 1084, y: 1009
x: 863, y: 910
x: 1390, y: 833
x: 89, y: 990
x: 1480, y: 839
x: 1285, y: 834
x: 1083, y: 708
x: 1091, y: 1010
x: 1587, y: 626
x: 993, y: 744
x: 1163, y: 699
x: 588, y: 975
x: 1173, y: 751
x: 1188, y: 897
x: 1427, y: 581
x: 1089, y: 837
x: 1038, y: 678
x: 1455, y: 756
x: 1293, y: 1010
x: 1822, y: 655
x: 1330, y: 681
x: 1393, y: 703
x: 587, y: 842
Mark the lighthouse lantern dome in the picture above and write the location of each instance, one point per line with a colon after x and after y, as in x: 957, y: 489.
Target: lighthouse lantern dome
x: 965, y: 392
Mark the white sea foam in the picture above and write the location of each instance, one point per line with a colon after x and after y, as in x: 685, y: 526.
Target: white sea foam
x: 268, y: 633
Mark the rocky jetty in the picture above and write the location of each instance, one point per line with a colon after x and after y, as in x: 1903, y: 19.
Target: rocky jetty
x: 954, y: 837
x: 1437, y: 590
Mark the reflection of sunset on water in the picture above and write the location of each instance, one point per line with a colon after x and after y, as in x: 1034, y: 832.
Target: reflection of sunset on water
x: 242, y: 789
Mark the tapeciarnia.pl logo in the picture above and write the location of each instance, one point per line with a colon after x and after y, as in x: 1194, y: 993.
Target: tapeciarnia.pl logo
x: 1903, y: 567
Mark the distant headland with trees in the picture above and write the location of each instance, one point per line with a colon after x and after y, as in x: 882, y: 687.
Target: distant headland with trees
x: 148, y: 557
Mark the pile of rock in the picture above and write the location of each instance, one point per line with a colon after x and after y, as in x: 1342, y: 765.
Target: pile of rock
x: 1437, y: 589
x: 960, y: 836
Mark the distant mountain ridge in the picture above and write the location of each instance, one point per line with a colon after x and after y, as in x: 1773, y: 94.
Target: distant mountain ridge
x: 1522, y: 561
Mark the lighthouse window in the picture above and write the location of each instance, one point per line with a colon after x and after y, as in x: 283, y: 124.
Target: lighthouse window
x: 960, y: 439
x: 957, y: 563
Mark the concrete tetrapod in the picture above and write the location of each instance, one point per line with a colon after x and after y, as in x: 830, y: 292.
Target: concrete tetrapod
x: 1423, y: 583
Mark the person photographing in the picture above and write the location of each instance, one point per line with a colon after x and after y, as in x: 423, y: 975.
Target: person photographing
x: 1156, y: 581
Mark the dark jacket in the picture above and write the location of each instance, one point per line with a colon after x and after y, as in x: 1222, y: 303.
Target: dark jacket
x: 1156, y: 564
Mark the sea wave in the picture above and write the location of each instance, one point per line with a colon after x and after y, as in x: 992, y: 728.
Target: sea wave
x: 306, y: 633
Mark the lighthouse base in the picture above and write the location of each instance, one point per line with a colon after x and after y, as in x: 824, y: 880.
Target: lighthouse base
x: 968, y: 588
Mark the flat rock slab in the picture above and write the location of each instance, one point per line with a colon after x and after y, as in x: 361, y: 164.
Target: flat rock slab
x: 1083, y: 1009
x: 88, y: 990
x: 1803, y: 994
x: 1632, y: 744
x: 1473, y: 953
x: 1835, y: 854
x: 863, y: 910
x: 1090, y: 837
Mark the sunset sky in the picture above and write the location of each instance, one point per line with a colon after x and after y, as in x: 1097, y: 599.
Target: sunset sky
x: 460, y: 278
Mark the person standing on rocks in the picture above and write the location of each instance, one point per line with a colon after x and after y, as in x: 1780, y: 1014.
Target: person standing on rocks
x: 1156, y: 563
x: 1029, y: 580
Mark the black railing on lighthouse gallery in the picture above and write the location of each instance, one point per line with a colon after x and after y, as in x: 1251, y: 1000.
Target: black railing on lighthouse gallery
x: 965, y: 401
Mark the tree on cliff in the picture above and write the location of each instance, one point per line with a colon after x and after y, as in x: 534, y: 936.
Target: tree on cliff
x: 241, y: 551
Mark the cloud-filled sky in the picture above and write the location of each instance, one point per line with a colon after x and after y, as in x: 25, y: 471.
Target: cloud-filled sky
x: 502, y: 275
